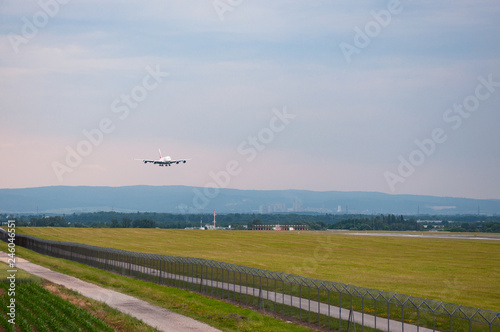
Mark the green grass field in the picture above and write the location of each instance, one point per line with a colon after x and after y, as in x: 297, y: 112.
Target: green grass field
x: 42, y: 306
x: 465, y: 272
x: 38, y: 308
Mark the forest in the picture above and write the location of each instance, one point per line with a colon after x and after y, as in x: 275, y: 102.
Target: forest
x: 390, y: 222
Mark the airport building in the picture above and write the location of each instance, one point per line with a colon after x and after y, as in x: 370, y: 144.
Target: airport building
x: 280, y: 227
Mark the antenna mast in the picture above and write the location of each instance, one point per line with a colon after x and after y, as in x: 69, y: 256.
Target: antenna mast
x: 214, y: 219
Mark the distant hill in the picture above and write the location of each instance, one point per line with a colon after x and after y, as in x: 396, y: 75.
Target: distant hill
x: 183, y: 199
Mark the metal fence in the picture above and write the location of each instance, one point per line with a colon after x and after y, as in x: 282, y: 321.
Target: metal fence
x: 326, y: 305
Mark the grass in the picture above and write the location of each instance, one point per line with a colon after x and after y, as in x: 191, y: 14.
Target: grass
x: 222, y: 315
x: 119, y: 321
x: 465, y: 272
x: 42, y: 306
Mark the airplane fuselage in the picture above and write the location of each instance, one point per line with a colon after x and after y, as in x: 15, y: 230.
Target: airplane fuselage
x: 163, y: 161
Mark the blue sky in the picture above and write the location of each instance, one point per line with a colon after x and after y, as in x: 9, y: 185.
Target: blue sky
x: 353, y: 123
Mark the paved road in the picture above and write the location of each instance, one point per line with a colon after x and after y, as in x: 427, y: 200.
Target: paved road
x: 152, y: 315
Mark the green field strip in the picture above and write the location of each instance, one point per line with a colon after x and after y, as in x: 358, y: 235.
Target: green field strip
x: 466, y: 272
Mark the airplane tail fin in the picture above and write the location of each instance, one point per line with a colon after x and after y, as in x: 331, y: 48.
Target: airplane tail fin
x: 160, y: 153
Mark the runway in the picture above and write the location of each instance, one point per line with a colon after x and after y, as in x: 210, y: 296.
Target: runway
x: 433, y: 235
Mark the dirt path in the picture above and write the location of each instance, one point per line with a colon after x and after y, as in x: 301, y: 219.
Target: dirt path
x: 152, y: 315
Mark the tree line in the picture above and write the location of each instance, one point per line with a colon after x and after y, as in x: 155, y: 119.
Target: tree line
x: 379, y: 223
x: 474, y: 227
x: 390, y: 222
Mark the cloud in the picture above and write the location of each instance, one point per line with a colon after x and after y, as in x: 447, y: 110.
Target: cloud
x: 226, y: 77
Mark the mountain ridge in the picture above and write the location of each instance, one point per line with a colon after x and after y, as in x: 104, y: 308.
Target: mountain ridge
x: 187, y: 199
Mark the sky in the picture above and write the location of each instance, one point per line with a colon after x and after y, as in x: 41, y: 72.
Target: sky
x: 400, y: 97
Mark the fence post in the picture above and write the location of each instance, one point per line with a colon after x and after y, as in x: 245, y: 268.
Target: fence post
x: 260, y: 297
x: 388, y: 314
x: 309, y: 308
x: 275, y: 293
x: 329, y: 315
x: 340, y: 311
x: 319, y: 305
x: 267, y: 293
x: 350, y: 321
x: 283, y: 298
x: 159, y: 269
x: 234, y: 284
x: 300, y: 301
x: 291, y: 299
x: 246, y: 287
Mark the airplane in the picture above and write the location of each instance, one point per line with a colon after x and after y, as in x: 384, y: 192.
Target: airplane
x: 164, y: 161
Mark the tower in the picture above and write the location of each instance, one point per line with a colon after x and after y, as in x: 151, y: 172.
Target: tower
x: 214, y: 219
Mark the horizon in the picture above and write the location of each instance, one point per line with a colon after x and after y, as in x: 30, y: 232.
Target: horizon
x: 188, y: 200
x: 188, y: 186
x: 389, y: 97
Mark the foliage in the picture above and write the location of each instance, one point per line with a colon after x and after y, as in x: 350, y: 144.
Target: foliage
x: 39, y: 310
x: 477, y: 227
x: 385, y: 223
x: 456, y: 223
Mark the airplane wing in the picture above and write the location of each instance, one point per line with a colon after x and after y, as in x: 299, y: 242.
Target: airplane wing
x: 162, y: 162
x: 147, y: 161
x: 179, y: 161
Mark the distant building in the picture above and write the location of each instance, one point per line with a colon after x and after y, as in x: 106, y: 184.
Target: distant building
x: 297, y: 205
x: 273, y: 208
x: 280, y: 227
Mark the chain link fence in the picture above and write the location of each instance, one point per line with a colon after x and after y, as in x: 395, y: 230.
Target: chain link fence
x: 326, y: 305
